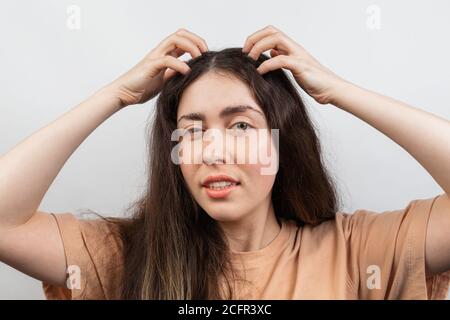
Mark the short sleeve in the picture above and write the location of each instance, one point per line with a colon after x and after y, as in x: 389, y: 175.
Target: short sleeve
x: 388, y: 249
x: 93, y: 253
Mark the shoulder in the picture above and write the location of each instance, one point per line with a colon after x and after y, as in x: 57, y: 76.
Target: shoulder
x: 98, y: 235
x: 392, y: 240
x: 93, y: 249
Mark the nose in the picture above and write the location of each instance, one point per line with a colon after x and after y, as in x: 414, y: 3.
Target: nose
x: 209, y: 160
x: 213, y: 152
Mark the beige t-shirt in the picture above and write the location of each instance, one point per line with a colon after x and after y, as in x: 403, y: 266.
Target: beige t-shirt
x: 364, y: 255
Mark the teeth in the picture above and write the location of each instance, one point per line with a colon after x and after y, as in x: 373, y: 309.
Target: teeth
x: 220, y: 185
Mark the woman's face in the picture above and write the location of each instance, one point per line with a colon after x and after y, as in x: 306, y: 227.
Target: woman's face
x: 208, y: 107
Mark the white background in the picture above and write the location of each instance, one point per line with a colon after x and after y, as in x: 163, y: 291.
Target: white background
x: 46, y: 68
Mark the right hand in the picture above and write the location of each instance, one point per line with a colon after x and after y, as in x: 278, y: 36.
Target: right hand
x: 144, y: 81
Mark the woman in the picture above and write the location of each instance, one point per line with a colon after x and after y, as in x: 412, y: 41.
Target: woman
x: 212, y: 226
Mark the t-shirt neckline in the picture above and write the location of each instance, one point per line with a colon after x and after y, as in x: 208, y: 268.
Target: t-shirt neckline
x: 255, y: 258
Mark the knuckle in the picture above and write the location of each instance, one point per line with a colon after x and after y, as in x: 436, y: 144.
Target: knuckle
x: 160, y: 60
x: 281, y: 37
x: 282, y: 58
x: 299, y: 61
x: 151, y: 55
x: 166, y: 59
x: 278, y: 35
x: 176, y: 37
x: 148, y: 64
x: 181, y: 31
x: 256, y: 46
x: 303, y: 64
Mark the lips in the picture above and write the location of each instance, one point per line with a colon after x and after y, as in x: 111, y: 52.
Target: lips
x: 218, y: 178
x: 220, y: 186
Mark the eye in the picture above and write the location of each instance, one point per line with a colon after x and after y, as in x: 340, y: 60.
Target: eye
x: 241, y: 127
x: 193, y: 132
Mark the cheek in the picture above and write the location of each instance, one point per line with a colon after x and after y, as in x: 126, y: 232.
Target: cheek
x: 188, y: 152
x: 259, y: 150
x: 257, y: 184
x: 261, y: 173
x: 188, y: 171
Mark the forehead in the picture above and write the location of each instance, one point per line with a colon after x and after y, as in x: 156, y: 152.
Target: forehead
x: 212, y: 92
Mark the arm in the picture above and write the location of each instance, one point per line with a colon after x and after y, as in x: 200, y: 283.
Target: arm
x: 423, y: 135
x: 28, y: 170
x: 29, y: 239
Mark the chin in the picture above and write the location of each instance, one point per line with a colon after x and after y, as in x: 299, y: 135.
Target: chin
x: 225, y: 215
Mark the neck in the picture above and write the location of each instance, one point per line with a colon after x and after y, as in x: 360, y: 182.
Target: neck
x: 253, y: 232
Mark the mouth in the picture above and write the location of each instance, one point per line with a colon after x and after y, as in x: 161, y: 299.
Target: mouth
x: 220, y: 186
x: 222, y: 191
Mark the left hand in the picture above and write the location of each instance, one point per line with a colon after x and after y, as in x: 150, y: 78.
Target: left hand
x: 317, y: 80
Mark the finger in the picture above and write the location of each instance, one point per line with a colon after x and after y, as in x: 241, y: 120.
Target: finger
x: 274, y: 53
x: 177, y: 52
x: 186, y: 44
x: 200, y: 42
x: 258, y: 35
x: 168, y: 62
x: 278, y: 62
x: 169, y: 73
x: 275, y: 41
x: 180, y: 42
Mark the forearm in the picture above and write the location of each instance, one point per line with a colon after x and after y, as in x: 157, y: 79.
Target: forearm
x: 423, y: 135
x: 28, y: 170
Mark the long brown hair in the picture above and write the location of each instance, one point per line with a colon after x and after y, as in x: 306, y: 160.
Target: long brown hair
x: 172, y: 248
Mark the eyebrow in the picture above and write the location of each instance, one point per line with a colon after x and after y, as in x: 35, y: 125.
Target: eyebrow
x: 227, y: 111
